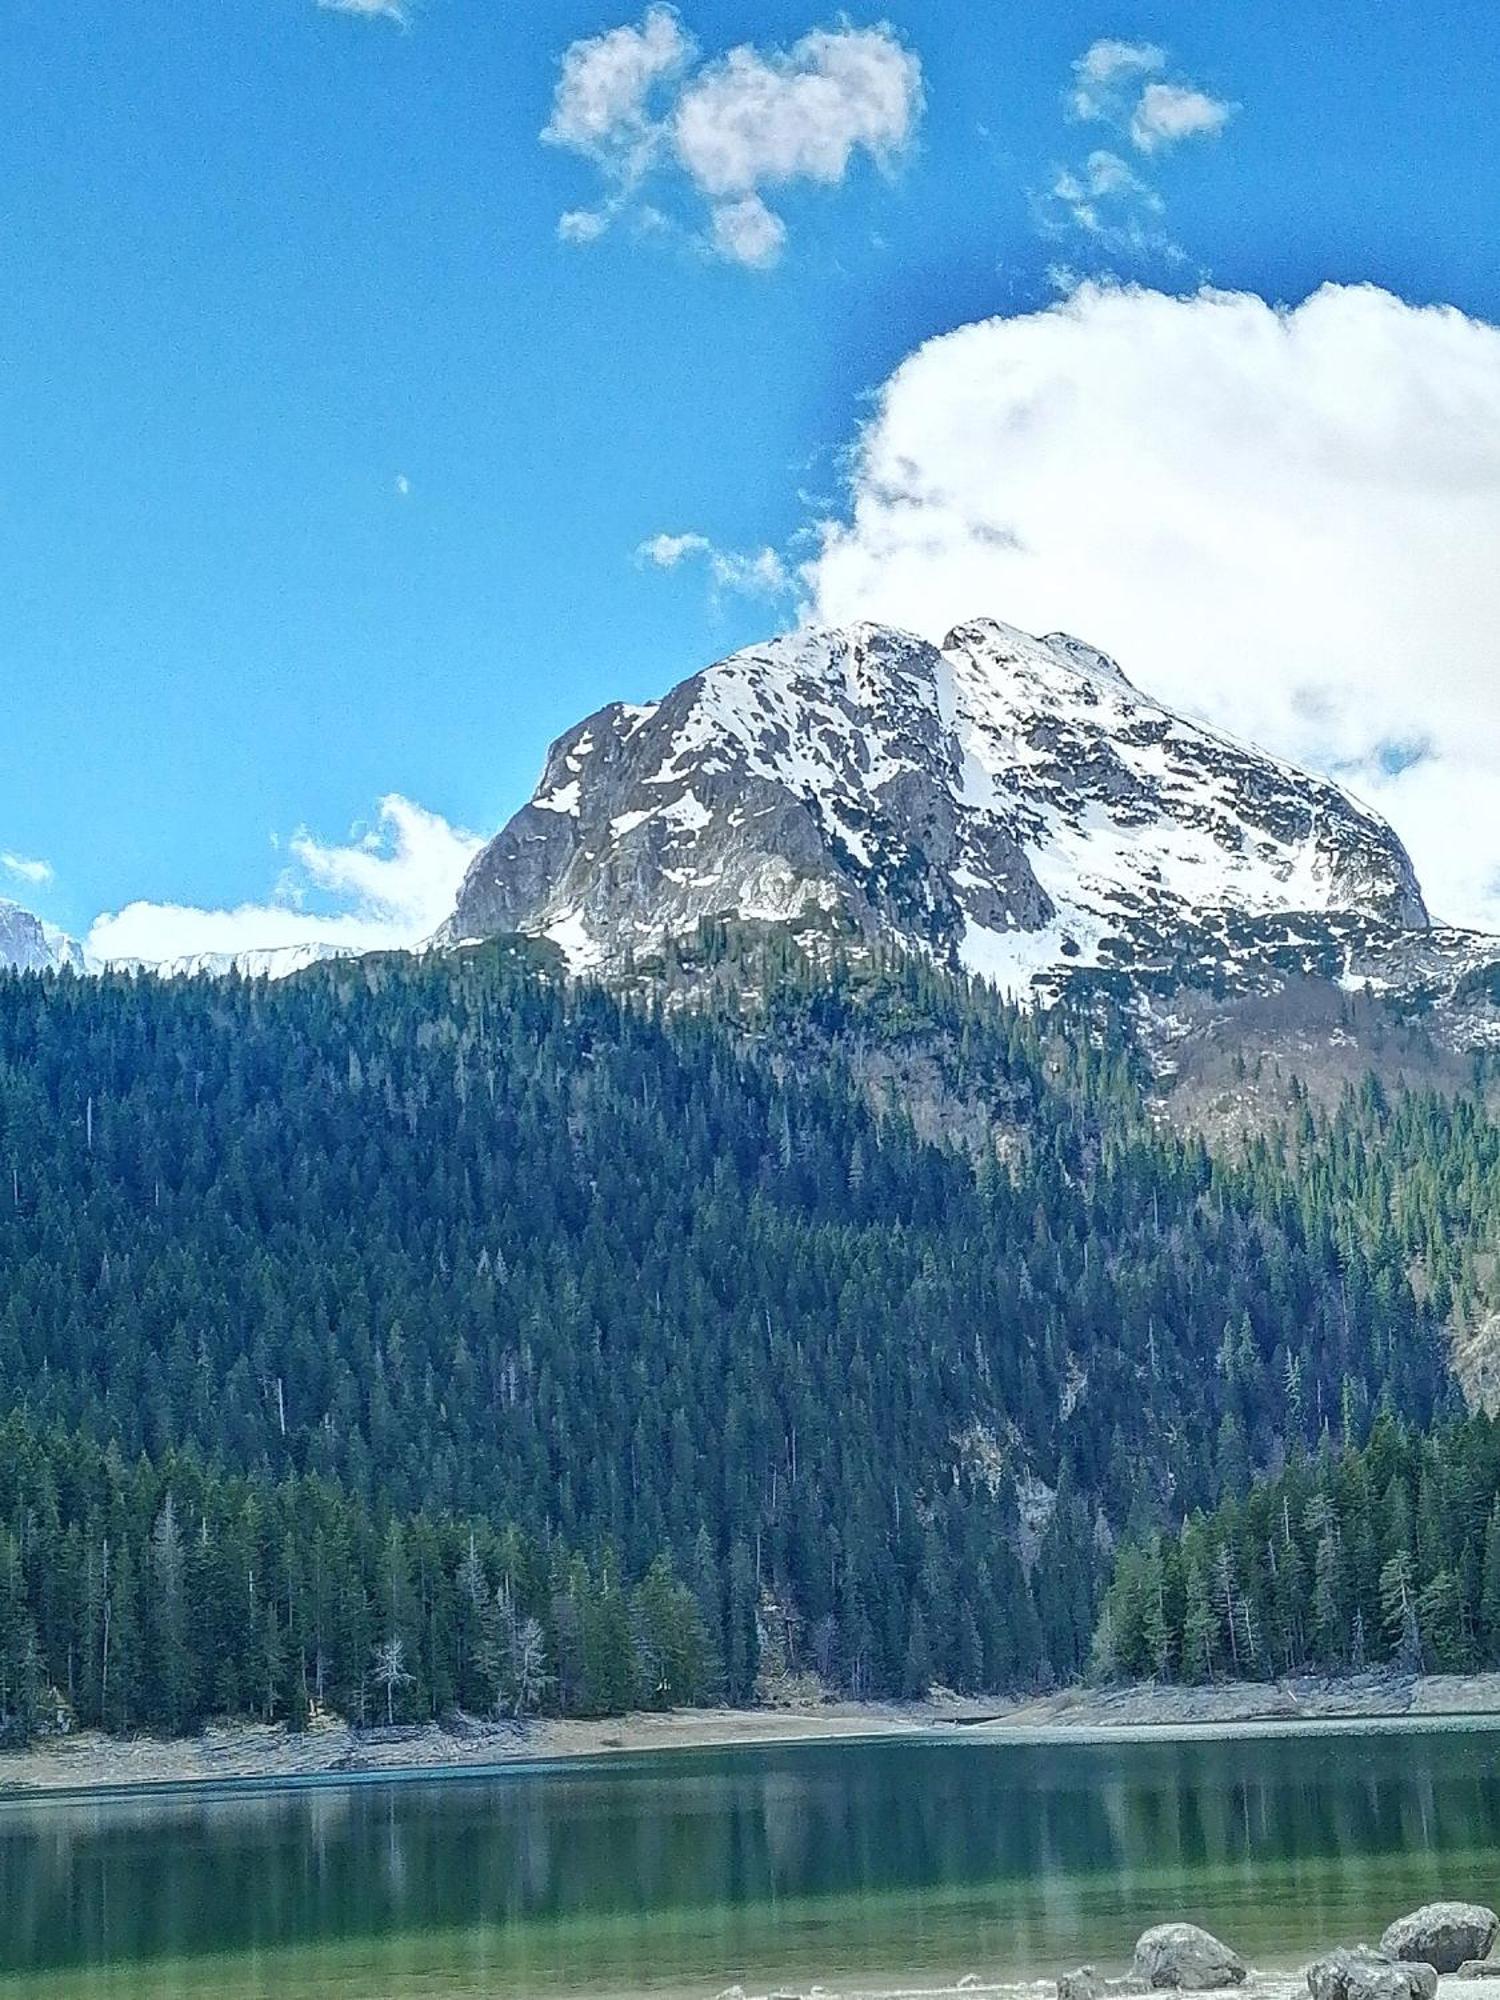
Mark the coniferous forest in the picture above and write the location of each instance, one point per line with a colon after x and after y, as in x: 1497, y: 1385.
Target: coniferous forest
x: 1386, y: 1554
x: 430, y: 1333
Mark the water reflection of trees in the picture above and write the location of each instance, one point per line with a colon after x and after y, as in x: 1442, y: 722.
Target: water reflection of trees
x: 1046, y: 1838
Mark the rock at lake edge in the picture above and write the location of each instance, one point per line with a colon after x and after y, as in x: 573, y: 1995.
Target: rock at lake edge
x: 1086, y: 1983
x: 1363, y: 1974
x: 1184, y: 1955
x: 1083, y: 1983
x: 1445, y: 1936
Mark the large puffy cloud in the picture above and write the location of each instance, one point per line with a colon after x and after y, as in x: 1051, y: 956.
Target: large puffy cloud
x: 638, y: 103
x: 385, y: 889
x: 1284, y: 520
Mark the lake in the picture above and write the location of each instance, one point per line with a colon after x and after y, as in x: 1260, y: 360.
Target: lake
x: 681, y: 1873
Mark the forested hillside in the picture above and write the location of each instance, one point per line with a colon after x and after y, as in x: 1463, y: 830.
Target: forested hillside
x: 1386, y: 1553
x: 155, y: 1596
x: 470, y: 1247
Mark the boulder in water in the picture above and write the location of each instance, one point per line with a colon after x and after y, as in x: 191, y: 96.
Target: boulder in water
x: 1182, y: 1955
x: 1362, y: 1974
x: 1442, y: 1935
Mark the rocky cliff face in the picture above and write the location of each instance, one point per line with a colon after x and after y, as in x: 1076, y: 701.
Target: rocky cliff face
x: 1010, y: 805
x: 29, y: 945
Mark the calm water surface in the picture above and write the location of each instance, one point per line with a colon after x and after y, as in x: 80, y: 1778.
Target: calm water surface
x: 679, y: 1874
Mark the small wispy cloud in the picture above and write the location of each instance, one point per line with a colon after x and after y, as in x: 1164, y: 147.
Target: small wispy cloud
x: 1124, y: 85
x: 609, y: 107
x: 1102, y: 196
x: 746, y: 232
x: 1170, y: 112
x: 369, y: 10
x: 23, y: 868
x: 1121, y: 84
x: 762, y: 573
x: 641, y: 104
x: 1107, y: 67
x: 403, y: 486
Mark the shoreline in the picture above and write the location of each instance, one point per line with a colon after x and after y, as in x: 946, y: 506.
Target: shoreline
x: 331, y: 1750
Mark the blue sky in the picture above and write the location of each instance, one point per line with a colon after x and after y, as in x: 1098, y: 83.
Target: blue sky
x: 326, y: 460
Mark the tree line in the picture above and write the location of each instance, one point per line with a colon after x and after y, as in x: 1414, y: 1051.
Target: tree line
x: 153, y: 1596
x: 1380, y: 1554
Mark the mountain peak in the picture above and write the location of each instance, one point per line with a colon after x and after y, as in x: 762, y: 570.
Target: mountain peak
x: 27, y: 944
x: 1004, y: 646
x: 1006, y: 803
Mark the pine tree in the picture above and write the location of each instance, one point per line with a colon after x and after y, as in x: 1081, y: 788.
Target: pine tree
x: 1200, y: 1627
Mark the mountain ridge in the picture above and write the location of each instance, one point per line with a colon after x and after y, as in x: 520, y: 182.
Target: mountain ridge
x: 1008, y: 805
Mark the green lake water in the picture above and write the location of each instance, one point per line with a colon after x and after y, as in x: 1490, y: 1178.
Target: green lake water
x: 684, y: 1873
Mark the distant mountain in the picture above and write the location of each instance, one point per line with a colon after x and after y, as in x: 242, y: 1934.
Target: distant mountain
x: 29, y: 945
x: 264, y: 962
x: 1008, y: 805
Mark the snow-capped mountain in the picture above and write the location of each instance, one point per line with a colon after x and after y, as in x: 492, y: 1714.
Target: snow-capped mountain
x: 278, y: 961
x: 1010, y: 804
x: 29, y: 945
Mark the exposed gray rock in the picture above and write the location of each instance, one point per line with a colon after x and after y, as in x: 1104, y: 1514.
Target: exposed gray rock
x: 29, y: 945
x: 1183, y: 1955
x: 1007, y: 804
x: 1087, y: 1983
x: 1363, y: 1974
x: 1083, y: 1983
x: 1479, y: 1968
x: 1442, y: 1935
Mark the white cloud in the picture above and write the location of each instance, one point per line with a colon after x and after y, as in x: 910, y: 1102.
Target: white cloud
x: 582, y: 225
x: 761, y: 574
x: 384, y: 889
x: 403, y: 486
x: 1104, y: 197
x: 369, y: 10
x: 1284, y: 520
x: 602, y: 106
x: 758, y: 120
x: 1169, y: 112
x: 1118, y: 83
x: 746, y: 232
x: 1104, y: 68
x: 667, y: 551
x: 36, y: 873
x: 638, y: 103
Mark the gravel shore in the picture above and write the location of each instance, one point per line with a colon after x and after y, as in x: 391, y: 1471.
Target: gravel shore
x: 236, y: 1752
